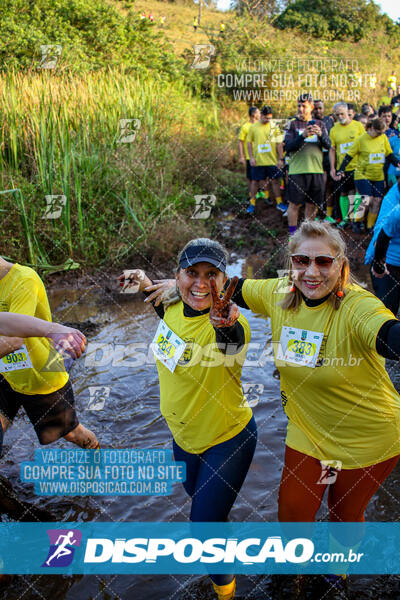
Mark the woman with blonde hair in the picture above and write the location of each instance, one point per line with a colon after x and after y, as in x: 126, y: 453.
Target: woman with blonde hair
x: 330, y: 340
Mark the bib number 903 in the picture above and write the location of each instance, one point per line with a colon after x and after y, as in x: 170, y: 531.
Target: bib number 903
x: 15, y: 357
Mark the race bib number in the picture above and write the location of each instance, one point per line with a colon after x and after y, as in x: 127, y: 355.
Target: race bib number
x: 376, y: 158
x: 167, y: 346
x: 299, y: 346
x: 345, y: 147
x: 263, y: 148
x: 312, y: 138
x: 16, y: 361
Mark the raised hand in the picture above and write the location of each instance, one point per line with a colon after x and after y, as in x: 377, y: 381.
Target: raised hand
x: 159, y: 287
x: 72, y: 342
x: 223, y: 313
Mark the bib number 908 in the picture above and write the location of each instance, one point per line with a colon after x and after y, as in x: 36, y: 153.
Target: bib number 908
x: 165, y: 347
x: 302, y: 348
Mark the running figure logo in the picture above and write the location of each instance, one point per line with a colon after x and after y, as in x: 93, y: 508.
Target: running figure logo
x: 55, y: 205
x: 329, y: 471
x: 50, y: 55
x: 204, y: 204
x: 61, y: 551
x: 202, y: 55
x: 98, y: 396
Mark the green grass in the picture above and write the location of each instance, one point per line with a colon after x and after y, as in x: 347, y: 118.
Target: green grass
x: 60, y: 137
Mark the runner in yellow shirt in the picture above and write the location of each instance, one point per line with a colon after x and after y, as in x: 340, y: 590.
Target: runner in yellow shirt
x: 386, y: 100
x: 392, y: 81
x: 265, y: 147
x: 244, y: 159
x: 330, y: 338
x: 370, y: 149
x: 42, y: 385
x: 200, y: 346
x: 342, y: 135
x: 14, y: 328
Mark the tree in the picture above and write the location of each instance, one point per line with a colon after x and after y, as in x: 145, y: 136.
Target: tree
x: 260, y: 8
x: 336, y: 19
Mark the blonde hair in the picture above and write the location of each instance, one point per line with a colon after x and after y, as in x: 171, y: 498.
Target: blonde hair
x: 332, y: 236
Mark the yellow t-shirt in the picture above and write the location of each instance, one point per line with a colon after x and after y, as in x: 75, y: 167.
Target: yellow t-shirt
x: 371, y: 153
x: 243, y: 137
x: 392, y: 79
x: 342, y: 138
x: 385, y: 101
x: 346, y: 409
x: 265, y: 137
x: 202, y: 400
x: 22, y: 291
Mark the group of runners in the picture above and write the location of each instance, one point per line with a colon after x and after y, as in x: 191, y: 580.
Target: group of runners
x: 330, y: 337
x: 337, y: 166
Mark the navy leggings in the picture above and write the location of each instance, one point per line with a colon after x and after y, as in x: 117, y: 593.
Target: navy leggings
x: 214, y: 478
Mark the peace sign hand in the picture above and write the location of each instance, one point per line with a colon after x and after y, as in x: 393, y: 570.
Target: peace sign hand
x: 223, y: 313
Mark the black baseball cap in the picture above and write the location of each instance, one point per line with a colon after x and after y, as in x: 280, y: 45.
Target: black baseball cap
x: 202, y: 253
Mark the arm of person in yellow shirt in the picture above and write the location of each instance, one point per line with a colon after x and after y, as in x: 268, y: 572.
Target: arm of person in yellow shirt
x: 12, y: 325
x: 242, y: 158
x: 10, y: 344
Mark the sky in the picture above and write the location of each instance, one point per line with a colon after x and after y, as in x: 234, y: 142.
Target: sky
x: 387, y: 6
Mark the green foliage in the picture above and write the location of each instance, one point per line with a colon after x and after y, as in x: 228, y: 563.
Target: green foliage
x: 93, y: 35
x: 122, y: 199
x: 337, y: 20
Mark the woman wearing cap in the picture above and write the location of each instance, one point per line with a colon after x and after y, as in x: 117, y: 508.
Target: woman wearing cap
x: 201, y: 398
x: 330, y: 338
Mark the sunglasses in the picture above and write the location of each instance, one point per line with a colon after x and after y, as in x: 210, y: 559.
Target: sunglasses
x: 302, y: 261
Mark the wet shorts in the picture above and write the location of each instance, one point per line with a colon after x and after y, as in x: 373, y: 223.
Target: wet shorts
x: 263, y: 173
x: 52, y: 415
x: 366, y: 187
x: 307, y: 187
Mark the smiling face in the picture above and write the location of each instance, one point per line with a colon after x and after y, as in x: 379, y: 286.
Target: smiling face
x: 313, y: 281
x: 194, y: 284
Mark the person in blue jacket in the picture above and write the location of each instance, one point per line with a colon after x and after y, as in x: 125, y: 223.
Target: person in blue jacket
x: 383, y: 252
x: 394, y: 172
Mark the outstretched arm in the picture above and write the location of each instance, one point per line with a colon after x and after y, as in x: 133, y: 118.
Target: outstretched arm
x: 16, y: 327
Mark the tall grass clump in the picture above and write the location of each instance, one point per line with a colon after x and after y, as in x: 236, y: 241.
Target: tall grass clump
x: 61, y: 136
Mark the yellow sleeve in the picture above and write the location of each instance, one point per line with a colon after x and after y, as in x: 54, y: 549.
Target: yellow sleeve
x: 355, y: 148
x: 24, y: 300
x: 257, y: 294
x: 250, y: 135
x: 25, y: 297
x: 368, y: 316
x: 333, y: 136
x: 242, y: 133
x: 388, y: 148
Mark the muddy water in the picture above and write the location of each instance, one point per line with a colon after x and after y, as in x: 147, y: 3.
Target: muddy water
x: 131, y: 419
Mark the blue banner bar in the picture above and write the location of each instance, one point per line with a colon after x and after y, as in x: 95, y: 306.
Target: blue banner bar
x: 199, y: 548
